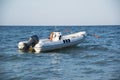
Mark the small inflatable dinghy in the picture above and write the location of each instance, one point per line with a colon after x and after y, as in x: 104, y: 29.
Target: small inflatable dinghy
x: 55, y: 41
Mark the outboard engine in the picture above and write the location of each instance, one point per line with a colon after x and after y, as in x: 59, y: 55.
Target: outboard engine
x: 31, y: 43
x: 33, y: 40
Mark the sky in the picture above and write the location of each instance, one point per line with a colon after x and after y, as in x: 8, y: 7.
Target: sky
x: 59, y: 12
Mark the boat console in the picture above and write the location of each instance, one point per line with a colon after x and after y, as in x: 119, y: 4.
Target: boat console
x: 55, y: 36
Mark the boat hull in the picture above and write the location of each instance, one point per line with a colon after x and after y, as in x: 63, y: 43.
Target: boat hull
x: 59, y: 44
x: 48, y: 45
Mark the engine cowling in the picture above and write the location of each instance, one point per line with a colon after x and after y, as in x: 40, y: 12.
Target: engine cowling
x: 30, y: 43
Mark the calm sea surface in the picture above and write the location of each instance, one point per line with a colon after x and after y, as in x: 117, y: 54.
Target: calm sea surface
x: 93, y: 59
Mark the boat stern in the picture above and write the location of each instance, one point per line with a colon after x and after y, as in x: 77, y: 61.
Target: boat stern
x: 38, y: 46
x: 21, y: 45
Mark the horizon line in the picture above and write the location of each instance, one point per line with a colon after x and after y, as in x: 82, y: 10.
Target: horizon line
x: 67, y: 25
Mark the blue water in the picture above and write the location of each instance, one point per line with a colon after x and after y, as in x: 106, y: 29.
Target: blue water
x: 93, y: 59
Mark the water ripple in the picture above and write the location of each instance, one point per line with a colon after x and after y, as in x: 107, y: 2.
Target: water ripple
x: 93, y: 59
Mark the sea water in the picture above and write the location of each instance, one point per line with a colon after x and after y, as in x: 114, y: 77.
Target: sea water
x: 96, y: 58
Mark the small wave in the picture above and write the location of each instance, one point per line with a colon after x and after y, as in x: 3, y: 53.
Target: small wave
x: 89, y: 56
x: 93, y: 47
x: 102, y: 62
x: 92, y: 71
x: 14, y: 57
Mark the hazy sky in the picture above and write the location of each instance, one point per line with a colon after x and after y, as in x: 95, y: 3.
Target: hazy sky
x: 59, y: 12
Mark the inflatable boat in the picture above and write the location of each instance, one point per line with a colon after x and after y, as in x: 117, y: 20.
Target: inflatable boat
x: 55, y: 41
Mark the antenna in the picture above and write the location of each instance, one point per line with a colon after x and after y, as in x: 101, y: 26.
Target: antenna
x: 55, y: 29
x: 68, y: 30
